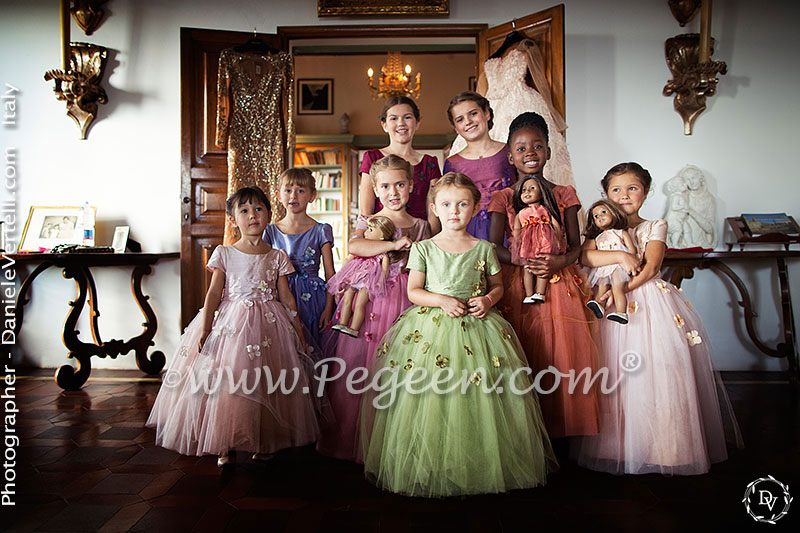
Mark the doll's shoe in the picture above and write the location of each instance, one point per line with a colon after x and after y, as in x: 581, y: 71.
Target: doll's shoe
x: 226, y: 459
x: 262, y: 457
x: 337, y: 327
x: 595, y: 307
x: 622, y: 318
x: 349, y: 331
x: 536, y: 298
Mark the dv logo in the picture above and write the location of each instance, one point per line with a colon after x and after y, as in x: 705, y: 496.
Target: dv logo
x: 767, y: 500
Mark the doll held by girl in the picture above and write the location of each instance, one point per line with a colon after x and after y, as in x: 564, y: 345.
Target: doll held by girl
x: 608, y: 226
x: 364, y: 278
x: 537, y: 229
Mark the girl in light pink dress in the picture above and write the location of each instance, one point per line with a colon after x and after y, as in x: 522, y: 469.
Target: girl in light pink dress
x: 666, y: 415
x: 608, y: 226
x: 216, y: 397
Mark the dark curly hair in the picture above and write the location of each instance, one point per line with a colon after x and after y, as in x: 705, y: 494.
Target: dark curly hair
x: 528, y: 119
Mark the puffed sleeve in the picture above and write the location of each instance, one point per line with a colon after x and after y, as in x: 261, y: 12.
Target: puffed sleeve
x: 217, y: 259
x: 498, y: 202
x: 657, y: 231
x: 361, y: 222
x: 566, y: 196
x: 267, y: 235
x: 492, y: 263
x: 417, y: 259
x: 369, y: 158
x: 326, y: 234
x: 284, y: 265
x: 447, y: 167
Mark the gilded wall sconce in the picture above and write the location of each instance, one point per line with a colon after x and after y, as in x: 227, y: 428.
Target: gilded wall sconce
x: 79, y: 85
x: 88, y: 14
x: 694, y: 75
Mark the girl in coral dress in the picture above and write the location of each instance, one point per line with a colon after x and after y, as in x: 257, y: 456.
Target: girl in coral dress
x: 485, y: 435
x: 216, y: 397
x: 561, y: 332
x: 667, y: 415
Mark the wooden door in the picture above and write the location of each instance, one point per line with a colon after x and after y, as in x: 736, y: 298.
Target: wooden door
x: 204, y: 167
x: 546, y: 28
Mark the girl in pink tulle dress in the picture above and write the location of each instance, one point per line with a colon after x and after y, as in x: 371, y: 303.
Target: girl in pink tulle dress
x: 537, y: 230
x: 608, y: 226
x: 364, y: 278
x: 216, y: 397
x: 666, y: 414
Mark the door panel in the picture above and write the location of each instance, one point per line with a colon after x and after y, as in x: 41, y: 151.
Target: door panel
x: 546, y: 28
x: 204, y: 166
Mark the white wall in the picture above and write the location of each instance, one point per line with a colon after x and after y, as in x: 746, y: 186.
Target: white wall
x: 615, y: 74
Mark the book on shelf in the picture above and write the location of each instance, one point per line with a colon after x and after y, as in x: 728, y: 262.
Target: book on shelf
x: 327, y: 180
x: 763, y: 223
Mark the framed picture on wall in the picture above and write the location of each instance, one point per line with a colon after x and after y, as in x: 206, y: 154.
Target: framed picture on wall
x: 315, y: 97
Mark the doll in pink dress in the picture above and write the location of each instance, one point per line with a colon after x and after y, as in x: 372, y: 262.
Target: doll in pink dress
x: 363, y: 278
x: 537, y: 230
x: 608, y: 226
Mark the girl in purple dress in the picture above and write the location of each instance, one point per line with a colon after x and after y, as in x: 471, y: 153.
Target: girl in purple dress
x: 400, y: 119
x: 392, y: 179
x: 484, y: 160
x: 307, y: 242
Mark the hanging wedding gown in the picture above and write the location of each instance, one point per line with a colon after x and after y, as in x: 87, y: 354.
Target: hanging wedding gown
x: 509, y: 95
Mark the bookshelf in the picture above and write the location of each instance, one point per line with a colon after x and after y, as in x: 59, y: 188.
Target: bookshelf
x: 333, y: 162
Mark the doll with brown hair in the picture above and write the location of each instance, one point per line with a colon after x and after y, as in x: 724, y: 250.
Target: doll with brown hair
x: 537, y: 229
x: 362, y: 279
x: 608, y: 226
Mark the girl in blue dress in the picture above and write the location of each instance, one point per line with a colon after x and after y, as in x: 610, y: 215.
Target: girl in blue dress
x: 307, y: 242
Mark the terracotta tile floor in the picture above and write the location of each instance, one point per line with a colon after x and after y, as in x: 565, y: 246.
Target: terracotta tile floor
x: 86, y: 463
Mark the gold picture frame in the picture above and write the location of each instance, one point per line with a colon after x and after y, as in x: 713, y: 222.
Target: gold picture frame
x: 48, y: 226
x: 339, y: 8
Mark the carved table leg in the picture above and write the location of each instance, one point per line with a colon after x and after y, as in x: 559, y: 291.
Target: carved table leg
x: 66, y: 376
x: 22, y: 295
x: 157, y: 360
x: 787, y: 347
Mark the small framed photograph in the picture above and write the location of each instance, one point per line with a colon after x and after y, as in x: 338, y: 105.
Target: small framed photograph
x: 47, y: 227
x: 315, y: 97
x: 120, y: 241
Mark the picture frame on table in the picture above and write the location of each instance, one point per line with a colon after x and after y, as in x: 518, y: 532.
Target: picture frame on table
x: 120, y: 242
x: 49, y: 226
x: 315, y: 96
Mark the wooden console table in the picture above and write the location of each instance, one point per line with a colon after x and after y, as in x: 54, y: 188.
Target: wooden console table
x: 680, y: 265
x: 78, y: 266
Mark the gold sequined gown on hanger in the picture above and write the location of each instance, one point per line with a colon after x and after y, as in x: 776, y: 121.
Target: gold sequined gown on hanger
x: 254, y: 120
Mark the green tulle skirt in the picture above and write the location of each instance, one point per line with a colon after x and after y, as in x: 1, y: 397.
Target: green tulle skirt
x: 447, y: 414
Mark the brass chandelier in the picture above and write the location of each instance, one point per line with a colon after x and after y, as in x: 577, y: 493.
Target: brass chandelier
x: 394, y: 79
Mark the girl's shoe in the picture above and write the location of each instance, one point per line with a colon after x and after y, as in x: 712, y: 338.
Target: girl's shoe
x: 595, y: 307
x: 535, y: 298
x: 348, y: 331
x: 622, y: 318
x: 337, y: 327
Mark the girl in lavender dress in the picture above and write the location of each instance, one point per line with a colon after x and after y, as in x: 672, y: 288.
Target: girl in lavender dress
x: 484, y: 160
x: 307, y: 242
x: 215, y: 398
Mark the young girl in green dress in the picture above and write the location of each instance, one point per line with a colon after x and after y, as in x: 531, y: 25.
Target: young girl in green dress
x: 446, y: 415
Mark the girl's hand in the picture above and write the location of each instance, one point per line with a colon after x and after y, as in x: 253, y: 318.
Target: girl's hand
x: 479, y: 306
x: 403, y: 243
x: 325, y: 319
x: 203, y: 336
x: 545, y: 265
x: 453, y: 306
x: 630, y: 263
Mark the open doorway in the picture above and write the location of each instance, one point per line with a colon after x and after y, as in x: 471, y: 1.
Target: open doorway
x: 204, y: 165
